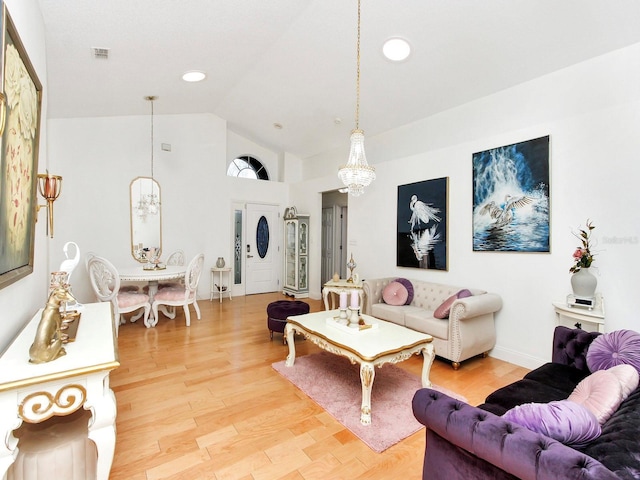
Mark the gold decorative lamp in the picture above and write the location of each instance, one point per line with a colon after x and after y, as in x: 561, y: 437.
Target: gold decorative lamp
x: 49, y: 187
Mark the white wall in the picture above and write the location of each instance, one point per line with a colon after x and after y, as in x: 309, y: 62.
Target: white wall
x: 592, y: 113
x: 19, y: 301
x: 99, y: 157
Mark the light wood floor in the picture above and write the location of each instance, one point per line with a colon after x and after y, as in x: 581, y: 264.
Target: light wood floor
x: 204, y: 403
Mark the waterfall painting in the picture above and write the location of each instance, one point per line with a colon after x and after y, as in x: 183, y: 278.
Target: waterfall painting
x: 422, y: 224
x: 511, y: 198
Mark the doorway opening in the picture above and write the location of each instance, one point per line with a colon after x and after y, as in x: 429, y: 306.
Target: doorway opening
x: 334, y: 235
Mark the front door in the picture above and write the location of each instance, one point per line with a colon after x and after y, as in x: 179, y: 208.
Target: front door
x: 262, y: 248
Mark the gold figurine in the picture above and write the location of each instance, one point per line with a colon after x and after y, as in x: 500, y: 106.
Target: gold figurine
x: 47, y: 345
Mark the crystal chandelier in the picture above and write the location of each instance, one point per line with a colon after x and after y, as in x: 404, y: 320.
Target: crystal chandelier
x: 148, y: 203
x: 357, y: 174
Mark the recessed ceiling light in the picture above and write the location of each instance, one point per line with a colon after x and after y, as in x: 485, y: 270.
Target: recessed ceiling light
x: 396, y: 49
x: 194, y: 76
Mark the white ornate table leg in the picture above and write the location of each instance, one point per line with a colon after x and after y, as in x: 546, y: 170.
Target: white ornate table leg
x: 367, y: 375
x: 289, y: 331
x: 428, y: 354
x: 8, y: 447
x: 325, y: 298
x: 102, y: 426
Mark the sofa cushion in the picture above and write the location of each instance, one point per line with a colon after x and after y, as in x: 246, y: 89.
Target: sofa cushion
x: 565, y: 421
x: 600, y: 393
x: 395, y: 293
x: 409, y: 286
x: 521, y: 392
x: 424, y: 321
x: 614, y: 348
x: 443, y: 310
x: 392, y: 313
x: 558, y: 376
x: 617, y: 446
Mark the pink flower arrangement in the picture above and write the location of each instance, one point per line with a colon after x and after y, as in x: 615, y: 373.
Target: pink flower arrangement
x: 582, y: 256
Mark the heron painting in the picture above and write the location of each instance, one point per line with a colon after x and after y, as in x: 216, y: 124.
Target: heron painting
x: 422, y: 224
x: 511, y: 197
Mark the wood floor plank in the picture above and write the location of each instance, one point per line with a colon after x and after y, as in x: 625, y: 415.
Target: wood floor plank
x: 204, y: 403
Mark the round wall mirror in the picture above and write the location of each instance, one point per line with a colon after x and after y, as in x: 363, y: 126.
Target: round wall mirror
x: 146, y: 218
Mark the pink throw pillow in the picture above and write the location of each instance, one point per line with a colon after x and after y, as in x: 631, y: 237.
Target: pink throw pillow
x: 600, y: 393
x: 628, y: 377
x: 443, y: 310
x: 395, y: 294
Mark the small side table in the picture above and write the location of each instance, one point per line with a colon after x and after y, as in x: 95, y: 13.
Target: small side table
x: 595, y: 316
x: 220, y: 289
x: 338, y: 287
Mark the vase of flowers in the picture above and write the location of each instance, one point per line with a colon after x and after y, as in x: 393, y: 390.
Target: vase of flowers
x: 583, y: 282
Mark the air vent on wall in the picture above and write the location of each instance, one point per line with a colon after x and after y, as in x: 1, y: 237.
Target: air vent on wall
x: 100, y: 53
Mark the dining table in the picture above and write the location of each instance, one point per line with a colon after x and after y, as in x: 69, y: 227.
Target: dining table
x: 152, y: 277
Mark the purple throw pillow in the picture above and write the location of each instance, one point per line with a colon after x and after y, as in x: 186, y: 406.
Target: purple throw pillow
x: 409, y: 286
x: 614, y: 348
x: 567, y: 422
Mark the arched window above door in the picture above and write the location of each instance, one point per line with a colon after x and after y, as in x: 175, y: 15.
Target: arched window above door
x: 247, y: 166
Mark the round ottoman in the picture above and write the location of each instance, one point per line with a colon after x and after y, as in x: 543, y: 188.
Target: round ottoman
x: 277, y: 313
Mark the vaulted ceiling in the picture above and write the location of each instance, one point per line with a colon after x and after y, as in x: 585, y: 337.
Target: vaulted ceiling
x: 293, y: 62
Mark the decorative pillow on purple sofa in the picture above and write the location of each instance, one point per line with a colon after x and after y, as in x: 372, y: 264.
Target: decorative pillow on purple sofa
x: 600, y: 393
x: 443, y: 310
x: 628, y: 376
x: 409, y: 286
x: 562, y: 420
x: 614, y: 348
x: 395, y: 294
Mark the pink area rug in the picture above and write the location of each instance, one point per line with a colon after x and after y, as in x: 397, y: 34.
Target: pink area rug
x: 334, y: 384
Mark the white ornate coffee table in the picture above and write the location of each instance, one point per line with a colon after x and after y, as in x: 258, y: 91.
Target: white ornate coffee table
x: 373, y: 347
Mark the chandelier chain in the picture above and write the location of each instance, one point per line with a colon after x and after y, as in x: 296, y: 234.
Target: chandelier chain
x: 358, y: 73
x: 151, y: 100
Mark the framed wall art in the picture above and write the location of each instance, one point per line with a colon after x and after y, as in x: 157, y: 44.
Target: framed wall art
x: 511, y: 197
x: 422, y: 224
x: 18, y: 156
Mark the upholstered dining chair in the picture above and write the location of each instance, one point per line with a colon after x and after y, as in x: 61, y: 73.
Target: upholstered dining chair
x: 106, y: 286
x: 176, y: 258
x: 183, y: 295
x: 127, y: 287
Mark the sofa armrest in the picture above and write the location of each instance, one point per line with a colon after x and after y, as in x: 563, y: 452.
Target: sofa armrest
x: 475, y: 305
x: 505, y: 445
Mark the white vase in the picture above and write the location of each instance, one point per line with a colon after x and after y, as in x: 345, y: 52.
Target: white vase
x: 220, y: 262
x: 584, y: 283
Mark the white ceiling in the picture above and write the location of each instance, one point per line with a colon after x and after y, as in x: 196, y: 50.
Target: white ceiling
x: 293, y: 61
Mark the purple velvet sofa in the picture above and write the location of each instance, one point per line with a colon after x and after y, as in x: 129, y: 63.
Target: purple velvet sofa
x: 465, y: 442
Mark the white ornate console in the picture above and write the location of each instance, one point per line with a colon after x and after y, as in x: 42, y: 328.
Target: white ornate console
x: 34, y: 393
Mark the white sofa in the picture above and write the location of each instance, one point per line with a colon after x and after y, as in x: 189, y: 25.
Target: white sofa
x: 469, y: 330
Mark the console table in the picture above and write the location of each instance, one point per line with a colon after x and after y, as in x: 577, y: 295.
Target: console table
x: 337, y: 287
x: 594, y: 317
x: 34, y: 393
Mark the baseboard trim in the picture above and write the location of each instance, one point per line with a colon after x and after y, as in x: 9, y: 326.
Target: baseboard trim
x: 517, y: 358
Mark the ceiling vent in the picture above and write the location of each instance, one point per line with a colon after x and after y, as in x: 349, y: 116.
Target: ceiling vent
x: 100, y: 53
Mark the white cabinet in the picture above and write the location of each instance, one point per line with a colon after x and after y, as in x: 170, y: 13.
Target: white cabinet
x: 296, y: 248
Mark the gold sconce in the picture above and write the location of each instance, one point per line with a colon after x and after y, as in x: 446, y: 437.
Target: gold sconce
x: 49, y: 187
